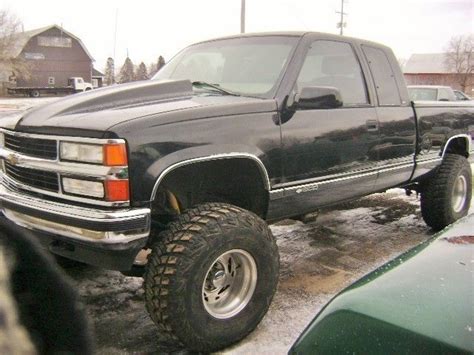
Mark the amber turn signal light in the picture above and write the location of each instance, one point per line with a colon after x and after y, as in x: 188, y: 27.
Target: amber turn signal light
x: 115, y: 155
x: 117, y: 190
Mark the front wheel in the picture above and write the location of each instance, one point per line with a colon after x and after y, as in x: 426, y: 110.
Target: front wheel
x: 211, y: 276
x: 446, y: 196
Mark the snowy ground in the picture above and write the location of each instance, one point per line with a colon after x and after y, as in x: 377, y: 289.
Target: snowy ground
x: 13, y: 105
x: 318, y: 259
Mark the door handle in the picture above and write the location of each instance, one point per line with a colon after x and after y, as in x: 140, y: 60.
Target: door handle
x: 372, y: 125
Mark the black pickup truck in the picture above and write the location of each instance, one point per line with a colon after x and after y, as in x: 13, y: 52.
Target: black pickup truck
x: 176, y: 177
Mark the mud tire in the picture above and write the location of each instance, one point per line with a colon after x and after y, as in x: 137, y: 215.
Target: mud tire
x: 437, y: 195
x: 177, y: 267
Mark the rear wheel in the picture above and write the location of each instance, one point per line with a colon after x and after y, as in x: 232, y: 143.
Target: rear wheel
x: 446, y: 196
x: 211, y: 276
x: 35, y: 93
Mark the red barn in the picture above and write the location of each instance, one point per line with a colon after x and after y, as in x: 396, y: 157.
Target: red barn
x: 52, y: 55
x: 429, y: 69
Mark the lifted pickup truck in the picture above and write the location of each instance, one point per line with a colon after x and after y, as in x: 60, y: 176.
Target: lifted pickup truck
x: 186, y: 168
x: 74, y: 84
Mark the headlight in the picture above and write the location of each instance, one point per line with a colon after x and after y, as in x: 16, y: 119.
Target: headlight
x: 89, y: 153
x: 83, y: 187
x: 114, y: 154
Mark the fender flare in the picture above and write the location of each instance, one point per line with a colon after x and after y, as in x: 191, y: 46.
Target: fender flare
x: 233, y: 155
x: 465, y: 136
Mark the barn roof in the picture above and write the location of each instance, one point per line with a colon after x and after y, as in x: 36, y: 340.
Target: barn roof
x: 426, y: 63
x: 22, y: 38
x: 95, y: 72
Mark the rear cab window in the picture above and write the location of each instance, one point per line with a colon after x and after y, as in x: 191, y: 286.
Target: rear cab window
x: 384, y: 78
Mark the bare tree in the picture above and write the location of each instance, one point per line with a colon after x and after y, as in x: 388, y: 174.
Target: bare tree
x: 110, y: 71
x: 402, y: 62
x: 459, y: 58
x: 11, y: 64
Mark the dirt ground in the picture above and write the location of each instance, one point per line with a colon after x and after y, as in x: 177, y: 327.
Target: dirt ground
x: 318, y: 259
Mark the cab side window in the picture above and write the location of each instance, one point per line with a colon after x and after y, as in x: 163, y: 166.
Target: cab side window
x: 384, y: 77
x: 334, y: 64
x: 445, y: 95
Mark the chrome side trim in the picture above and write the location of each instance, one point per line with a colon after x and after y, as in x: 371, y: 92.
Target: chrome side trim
x: 312, y: 186
x: 234, y: 155
x: 427, y: 161
x: 335, y: 176
x: 92, y: 215
x: 465, y: 136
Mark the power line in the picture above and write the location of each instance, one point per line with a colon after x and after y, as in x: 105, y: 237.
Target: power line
x: 341, y: 24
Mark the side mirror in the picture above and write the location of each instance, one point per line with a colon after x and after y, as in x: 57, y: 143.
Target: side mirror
x: 318, y: 97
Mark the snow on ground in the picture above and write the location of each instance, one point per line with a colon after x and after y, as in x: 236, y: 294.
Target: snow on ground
x: 318, y: 259
x: 15, y: 105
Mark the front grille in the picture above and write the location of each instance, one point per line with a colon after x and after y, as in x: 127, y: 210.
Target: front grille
x: 45, y: 180
x: 35, y: 147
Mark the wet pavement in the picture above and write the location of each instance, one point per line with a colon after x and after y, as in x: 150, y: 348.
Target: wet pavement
x: 318, y: 259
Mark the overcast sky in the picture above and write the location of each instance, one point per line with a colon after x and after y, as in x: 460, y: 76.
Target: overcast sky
x: 148, y: 29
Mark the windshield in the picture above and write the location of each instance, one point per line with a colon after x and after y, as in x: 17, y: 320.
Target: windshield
x: 250, y: 66
x: 423, y: 94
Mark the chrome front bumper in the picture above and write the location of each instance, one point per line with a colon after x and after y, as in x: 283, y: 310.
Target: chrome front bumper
x: 99, y: 226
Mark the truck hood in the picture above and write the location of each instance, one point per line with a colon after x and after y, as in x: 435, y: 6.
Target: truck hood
x: 94, y: 113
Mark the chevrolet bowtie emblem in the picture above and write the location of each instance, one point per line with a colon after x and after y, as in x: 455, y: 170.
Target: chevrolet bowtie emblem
x: 13, y: 159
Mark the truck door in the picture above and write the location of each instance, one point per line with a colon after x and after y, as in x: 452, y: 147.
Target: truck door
x: 397, y: 126
x: 328, y: 153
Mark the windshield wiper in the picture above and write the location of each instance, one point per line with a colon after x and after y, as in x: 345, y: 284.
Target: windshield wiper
x: 214, y: 86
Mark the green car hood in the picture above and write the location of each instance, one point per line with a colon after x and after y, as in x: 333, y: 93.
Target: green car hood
x: 420, y: 302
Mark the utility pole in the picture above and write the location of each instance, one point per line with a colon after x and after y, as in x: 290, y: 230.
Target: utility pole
x: 242, y: 17
x: 341, y: 24
x: 115, y: 32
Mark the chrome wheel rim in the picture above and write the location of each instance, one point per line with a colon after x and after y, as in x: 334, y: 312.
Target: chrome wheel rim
x: 459, y: 193
x: 229, y: 284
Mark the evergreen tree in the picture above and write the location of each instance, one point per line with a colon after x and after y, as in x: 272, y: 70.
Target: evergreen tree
x: 141, y: 73
x: 109, y: 72
x: 161, y: 63
x: 155, y: 67
x: 127, y: 73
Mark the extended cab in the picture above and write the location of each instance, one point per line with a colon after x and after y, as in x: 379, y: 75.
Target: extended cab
x: 176, y: 176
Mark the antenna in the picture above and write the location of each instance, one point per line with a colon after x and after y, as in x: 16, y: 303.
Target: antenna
x: 242, y: 17
x: 341, y: 25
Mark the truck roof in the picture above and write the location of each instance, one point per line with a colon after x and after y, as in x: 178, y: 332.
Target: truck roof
x: 297, y: 34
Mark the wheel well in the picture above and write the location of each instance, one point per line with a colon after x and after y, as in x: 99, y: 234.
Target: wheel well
x: 236, y: 181
x: 458, y: 146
